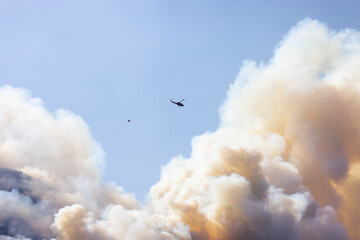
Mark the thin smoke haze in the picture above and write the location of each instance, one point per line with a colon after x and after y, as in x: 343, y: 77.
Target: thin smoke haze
x: 283, y: 164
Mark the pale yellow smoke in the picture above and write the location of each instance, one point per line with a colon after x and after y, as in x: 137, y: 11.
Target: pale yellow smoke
x: 309, y: 93
x: 283, y: 164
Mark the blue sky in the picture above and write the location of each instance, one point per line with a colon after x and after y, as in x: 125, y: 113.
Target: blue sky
x: 108, y: 61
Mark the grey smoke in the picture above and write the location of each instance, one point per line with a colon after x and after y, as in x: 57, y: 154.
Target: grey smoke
x: 22, y: 211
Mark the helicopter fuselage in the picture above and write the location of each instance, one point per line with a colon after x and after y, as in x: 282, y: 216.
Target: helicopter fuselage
x: 177, y: 103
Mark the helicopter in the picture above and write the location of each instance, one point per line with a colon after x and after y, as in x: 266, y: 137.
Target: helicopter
x: 178, y: 103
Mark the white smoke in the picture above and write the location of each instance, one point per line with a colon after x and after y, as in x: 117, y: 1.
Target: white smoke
x: 282, y: 165
x: 61, y: 163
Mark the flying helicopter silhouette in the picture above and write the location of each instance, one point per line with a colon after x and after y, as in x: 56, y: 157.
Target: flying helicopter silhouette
x: 178, y: 103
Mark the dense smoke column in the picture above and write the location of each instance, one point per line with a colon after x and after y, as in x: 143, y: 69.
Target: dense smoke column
x: 283, y: 163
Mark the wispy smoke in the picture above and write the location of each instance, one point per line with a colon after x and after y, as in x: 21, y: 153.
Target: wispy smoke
x: 282, y: 165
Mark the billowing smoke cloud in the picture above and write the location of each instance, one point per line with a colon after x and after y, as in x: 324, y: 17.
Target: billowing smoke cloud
x: 48, y: 161
x: 284, y: 163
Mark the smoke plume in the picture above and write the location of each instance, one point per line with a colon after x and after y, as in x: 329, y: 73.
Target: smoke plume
x: 283, y: 164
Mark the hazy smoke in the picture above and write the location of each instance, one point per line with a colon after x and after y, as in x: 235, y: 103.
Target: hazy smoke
x: 282, y: 165
x: 55, y: 164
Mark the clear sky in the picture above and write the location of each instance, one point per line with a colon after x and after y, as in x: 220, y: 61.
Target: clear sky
x: 111, y: 60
